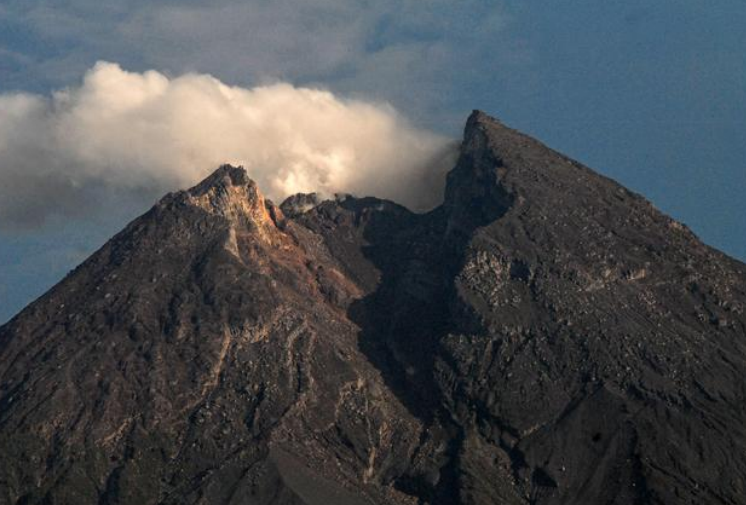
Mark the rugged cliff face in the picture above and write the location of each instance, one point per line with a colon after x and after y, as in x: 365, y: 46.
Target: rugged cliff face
x: 545, y: 337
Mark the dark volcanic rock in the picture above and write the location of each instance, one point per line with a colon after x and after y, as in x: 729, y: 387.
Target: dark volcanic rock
x: 543, y: 337
x: 298, y: 204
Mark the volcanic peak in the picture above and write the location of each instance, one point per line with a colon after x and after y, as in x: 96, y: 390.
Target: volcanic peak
x: 544, y: 337
x: 230, y: 193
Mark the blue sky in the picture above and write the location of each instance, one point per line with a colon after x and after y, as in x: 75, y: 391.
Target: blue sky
x: 652, y: 94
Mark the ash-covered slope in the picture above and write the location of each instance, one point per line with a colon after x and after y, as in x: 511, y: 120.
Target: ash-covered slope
x: 545, y: 337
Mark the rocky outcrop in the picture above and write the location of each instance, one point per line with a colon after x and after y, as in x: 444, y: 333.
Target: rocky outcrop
x: 543, y: 337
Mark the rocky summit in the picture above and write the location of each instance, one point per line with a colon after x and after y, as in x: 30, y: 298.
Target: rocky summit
x: 545, y: 336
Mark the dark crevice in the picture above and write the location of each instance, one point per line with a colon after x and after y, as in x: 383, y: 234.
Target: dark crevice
x: 414, y: 305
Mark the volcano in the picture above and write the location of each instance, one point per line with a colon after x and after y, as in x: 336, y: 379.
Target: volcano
x: 545, y: 336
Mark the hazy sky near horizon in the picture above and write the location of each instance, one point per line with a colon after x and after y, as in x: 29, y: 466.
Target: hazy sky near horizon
x: 650, y: 94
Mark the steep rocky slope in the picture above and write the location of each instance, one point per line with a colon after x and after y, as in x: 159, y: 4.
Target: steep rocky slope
x: 543, y: 337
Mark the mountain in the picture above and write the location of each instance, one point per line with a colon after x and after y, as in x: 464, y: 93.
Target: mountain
x: 543, y: 337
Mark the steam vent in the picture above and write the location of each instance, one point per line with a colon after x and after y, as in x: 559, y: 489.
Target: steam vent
x: 545, y: 336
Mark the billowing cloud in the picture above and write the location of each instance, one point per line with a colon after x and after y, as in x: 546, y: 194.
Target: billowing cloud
x: 130, y: 132
x: 420, y: 55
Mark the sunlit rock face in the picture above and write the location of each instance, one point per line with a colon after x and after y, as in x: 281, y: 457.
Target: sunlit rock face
x: 545, y: 336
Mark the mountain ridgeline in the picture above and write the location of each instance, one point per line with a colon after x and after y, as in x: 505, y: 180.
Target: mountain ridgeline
x: 545, y: 336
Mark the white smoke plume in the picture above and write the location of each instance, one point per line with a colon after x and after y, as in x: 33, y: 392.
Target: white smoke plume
x: 128, y: 132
